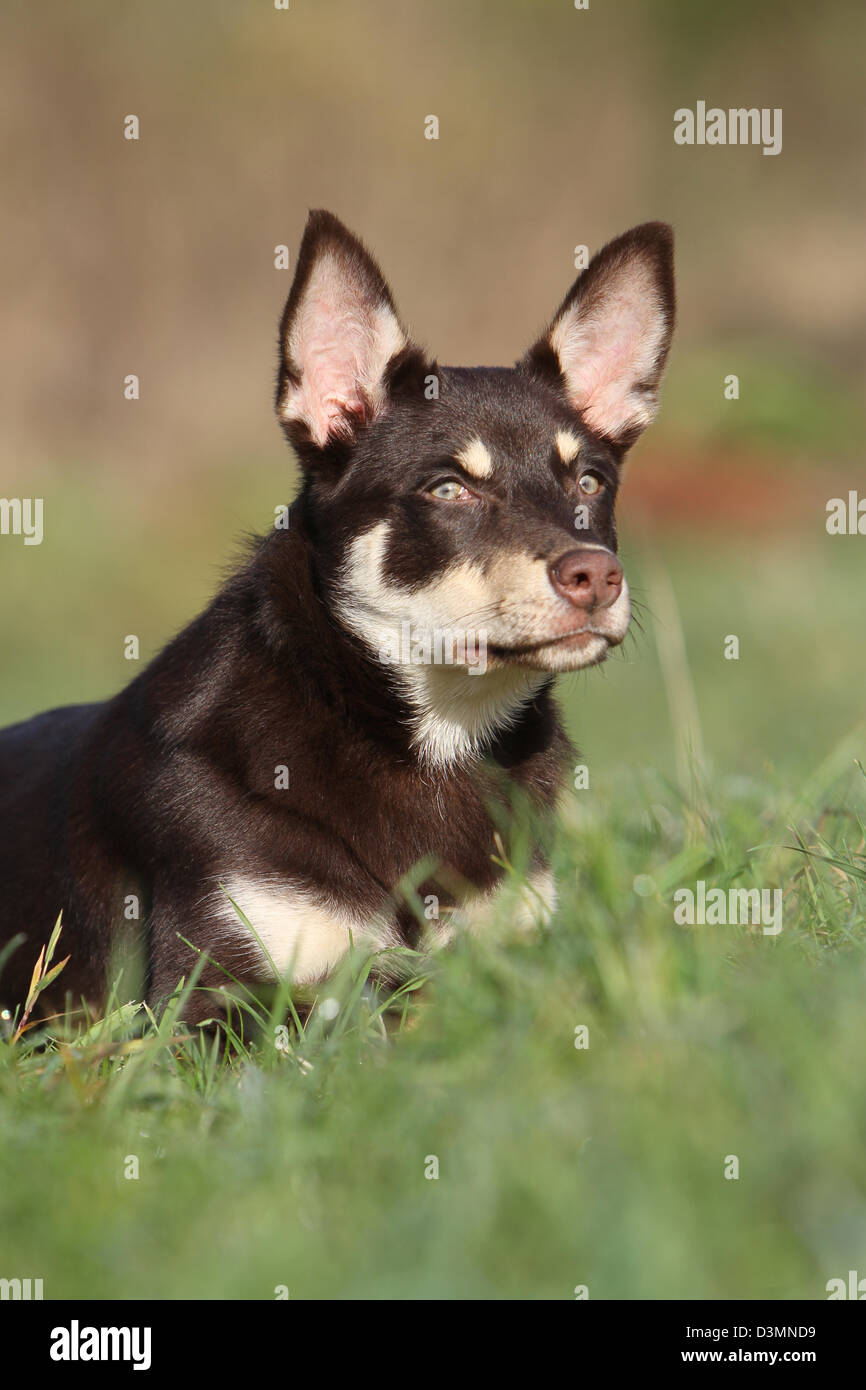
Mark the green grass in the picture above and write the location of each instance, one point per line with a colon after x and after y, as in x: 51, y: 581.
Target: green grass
x: 304, y: 1166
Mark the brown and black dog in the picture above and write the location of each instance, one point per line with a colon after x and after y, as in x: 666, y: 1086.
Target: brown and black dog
x: 376, y: 680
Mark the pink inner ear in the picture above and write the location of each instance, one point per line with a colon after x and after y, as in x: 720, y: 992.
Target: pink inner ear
x: 609, y: 348
x: 332, y: 350
x: 341, y: 343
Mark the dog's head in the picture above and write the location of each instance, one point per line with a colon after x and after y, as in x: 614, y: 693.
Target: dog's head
x: 467, y: 510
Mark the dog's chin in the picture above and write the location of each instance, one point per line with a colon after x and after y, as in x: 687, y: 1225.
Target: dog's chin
x: 572, y: 653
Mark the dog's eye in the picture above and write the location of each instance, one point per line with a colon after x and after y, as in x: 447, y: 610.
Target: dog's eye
x: 590, y: 484
x: 451, y: 490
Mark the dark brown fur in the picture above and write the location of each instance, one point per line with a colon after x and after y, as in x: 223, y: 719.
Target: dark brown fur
x: 166, y: 790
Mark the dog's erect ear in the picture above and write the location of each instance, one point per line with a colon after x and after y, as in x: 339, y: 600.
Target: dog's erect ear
x: 608, y: 343
x: 339, y: 338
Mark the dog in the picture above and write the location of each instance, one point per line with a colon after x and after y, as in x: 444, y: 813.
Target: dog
x: 372, y: 690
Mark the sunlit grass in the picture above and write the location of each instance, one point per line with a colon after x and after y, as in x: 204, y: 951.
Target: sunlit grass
x: 297, y: 1155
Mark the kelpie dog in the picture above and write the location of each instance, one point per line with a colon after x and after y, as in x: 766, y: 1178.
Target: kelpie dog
x: 376, y: 680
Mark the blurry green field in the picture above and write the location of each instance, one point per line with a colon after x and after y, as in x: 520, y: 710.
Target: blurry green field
x: 558, y: 1166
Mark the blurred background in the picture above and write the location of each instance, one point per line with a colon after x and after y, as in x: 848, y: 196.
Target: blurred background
x: 156, y: 257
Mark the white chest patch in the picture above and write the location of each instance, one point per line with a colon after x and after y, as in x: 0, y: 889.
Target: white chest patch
x: 300, y: 935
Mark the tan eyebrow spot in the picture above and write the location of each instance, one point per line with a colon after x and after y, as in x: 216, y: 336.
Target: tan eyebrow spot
x: 568, y: 445
x: 475, y: 458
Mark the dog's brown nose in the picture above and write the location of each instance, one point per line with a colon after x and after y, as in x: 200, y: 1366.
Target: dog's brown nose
x: 587, y: 578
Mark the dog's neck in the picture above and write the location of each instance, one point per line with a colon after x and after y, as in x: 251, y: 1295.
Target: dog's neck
x: 456, y: 714
x: 445, y: 716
